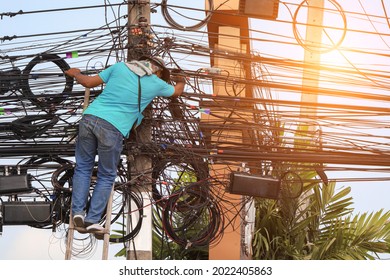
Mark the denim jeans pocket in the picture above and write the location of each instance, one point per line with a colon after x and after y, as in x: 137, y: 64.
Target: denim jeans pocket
x: 109, y: 138
x: 84, y: 131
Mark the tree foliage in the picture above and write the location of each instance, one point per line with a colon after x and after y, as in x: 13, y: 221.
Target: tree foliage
x: 319, y: 225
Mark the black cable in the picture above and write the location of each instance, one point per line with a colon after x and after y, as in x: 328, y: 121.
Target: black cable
x: 33, y: 126
x: 173, y: 23
x: 28, y: 74
x: 313, y: 48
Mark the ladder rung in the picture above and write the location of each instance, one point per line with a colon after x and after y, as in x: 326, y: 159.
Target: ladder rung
x: 84, y: 230
x: 105, y: 231
x: 81, y: 229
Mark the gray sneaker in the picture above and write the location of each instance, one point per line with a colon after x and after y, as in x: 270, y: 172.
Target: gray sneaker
x: 92, y: 228
x: 96, y: 229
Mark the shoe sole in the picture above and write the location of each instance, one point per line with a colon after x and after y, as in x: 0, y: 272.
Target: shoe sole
x: 78, y: 222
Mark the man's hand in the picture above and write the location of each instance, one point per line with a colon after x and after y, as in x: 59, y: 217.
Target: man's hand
x: 72, y: 72
x: 180, y: 81
x: 87, y: 81
x: 178, y: 76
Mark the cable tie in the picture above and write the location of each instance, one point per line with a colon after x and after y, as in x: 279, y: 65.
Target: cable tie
x: 73, y: 54
x: 206, y: 111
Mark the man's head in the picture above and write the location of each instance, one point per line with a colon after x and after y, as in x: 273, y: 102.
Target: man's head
x: 159, y: 67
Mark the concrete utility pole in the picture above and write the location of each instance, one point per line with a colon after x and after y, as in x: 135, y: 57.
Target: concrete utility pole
x: 313, y: 40
x: 138, y: 42
x: 138, y: 28
x: 310, y: 78
x: 229, y: 33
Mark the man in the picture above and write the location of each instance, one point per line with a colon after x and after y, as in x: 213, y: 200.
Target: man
x: 105, y: 122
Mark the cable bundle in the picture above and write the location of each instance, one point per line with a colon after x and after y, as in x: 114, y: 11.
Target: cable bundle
x: 203, y: 133
x: 192, y: 224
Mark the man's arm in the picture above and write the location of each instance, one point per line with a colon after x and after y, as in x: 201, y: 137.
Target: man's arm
x: 179, y: 86
x: 86, y: 81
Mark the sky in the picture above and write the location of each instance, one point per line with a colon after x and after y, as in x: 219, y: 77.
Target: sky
x: 21, y: 242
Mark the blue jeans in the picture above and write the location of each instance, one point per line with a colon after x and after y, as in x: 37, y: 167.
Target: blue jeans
x: 96, y: 137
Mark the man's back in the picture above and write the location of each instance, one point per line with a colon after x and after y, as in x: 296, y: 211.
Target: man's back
x: 118, y: 103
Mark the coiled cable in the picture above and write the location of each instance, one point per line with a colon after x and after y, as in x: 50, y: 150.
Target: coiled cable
x: 173, y: 23
x: 27, y: 75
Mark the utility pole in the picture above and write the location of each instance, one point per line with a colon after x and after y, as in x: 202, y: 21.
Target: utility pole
x: 312, y: 55
x: 138, y: 42
x: 138, y: 28
x: 310, y: 78
x: 228, y: 32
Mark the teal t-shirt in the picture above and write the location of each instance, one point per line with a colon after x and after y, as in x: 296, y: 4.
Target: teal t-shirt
x: 118, y: 103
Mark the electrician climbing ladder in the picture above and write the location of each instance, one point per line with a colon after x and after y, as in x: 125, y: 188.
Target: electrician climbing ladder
x: 108, y: 120
x: 100, y: 234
